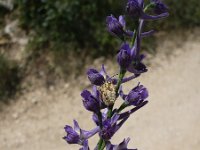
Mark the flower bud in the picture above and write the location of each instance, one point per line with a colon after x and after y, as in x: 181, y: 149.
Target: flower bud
x: 90, y: 102
x: 95, y: 77
x: 114, y: 26
x: 133, y: 8
x: 124, y: 56
x: 72, y: 136
x: 137, y: 95
x: 159, y: 7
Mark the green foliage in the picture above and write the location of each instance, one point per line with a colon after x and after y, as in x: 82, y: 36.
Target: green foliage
x: 10, y: 78
x: 3, y: 12
x: 58, y: 24
x: 80, y: 24
x: 183, y: 14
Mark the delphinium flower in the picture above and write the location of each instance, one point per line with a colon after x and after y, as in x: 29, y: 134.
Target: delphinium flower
x: 107, y: 89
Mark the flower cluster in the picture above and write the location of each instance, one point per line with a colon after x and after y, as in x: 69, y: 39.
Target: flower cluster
x: 106, y: 89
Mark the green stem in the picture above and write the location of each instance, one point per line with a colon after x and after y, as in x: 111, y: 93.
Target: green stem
x: 123, y: 105
x: 103, y: 145
x: 151, y: 5
x: 100, y: 119
x: 110, y: 111
x: 100, y: 143
x: 119, y: 82
x: 135, y: 34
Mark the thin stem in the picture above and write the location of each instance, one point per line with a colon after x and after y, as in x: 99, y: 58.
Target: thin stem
x: 135, y: 34
x: 119, y: 82
x: 100, y: 119
x: 110, y: 111
x: 123, y: 105
x: 100, y: 143
x: 103, y: 145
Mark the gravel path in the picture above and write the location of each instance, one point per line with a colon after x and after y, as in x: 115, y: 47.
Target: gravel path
x: 171, y: 120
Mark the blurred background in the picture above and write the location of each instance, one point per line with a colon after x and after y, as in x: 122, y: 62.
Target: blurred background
x: 45, y: 48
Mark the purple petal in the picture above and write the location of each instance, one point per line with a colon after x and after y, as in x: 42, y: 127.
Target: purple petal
x: 95, y: 77
x: 114, y: 119
x: 146, y: 34
x: 103, y: 72
x: 130, y: 78
x: 85, y: 145
x: 72, y: 136
x: 150, y: 17
x: 129, y: 33
x: 141, y: 3
x: 121, y: 93
x: 122, y: 21
x: 76, y: 126
x: 88, y: 134
x: 128, y: 113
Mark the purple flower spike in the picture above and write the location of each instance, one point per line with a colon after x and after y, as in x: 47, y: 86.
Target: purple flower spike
x: 122, y: 146
x: 136, y: 96
x: 134, y: 8
x: 124, y: 56
x: 90, y: 102
x: 95, y: 77
x: 159, y: 7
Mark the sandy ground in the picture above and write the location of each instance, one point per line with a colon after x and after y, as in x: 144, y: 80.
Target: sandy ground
x: 171, y: 120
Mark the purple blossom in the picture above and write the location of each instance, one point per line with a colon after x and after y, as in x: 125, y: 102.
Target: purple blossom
x: 95, y: 77
x: 137, y: 66
x: 136, y: 96
x: 111, y: 126
x: 121, y: 146
x: 135, y: 9
x: 159, y: 7
x: 90, y: 102
x: 117, y: 27
x: 78, y: 136
x: 124, y: 56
